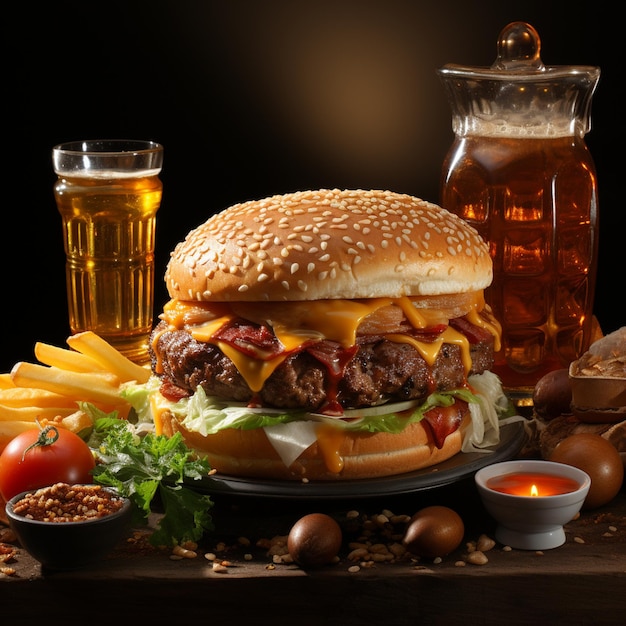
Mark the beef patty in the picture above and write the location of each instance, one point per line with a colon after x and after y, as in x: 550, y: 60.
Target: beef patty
x: 379, y: 370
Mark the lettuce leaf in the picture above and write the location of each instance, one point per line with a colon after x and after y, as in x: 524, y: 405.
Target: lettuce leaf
x: 208, y: 415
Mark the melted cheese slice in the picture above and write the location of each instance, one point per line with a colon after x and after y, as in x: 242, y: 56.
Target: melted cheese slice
x: 296, y: 323
x: 430, y: 350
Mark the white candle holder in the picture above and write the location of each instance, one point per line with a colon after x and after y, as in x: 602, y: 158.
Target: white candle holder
x: 531, y: 522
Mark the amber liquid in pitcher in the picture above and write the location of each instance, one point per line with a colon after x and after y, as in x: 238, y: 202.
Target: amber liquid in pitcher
x: 534, y: 199
x: 109, y: 235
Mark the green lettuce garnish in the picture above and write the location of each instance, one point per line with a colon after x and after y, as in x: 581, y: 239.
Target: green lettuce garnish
x: 144, y: 467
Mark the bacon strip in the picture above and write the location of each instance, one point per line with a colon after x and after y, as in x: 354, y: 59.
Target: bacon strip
x: 444, y: 420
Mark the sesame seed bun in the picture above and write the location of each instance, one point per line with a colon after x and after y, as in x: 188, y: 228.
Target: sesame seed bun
x: 327, y: 244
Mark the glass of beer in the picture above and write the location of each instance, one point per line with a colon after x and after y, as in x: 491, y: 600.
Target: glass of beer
x: 108, y: 193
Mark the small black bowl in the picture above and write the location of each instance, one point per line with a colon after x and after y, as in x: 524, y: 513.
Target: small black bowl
x: 70, y: 544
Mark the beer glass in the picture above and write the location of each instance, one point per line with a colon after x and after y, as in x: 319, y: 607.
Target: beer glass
x: 108, y: 193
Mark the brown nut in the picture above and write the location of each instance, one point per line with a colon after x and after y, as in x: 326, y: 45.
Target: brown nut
x: 434, y: 531
x: 599, y: 458
x: 314, y: 540
x: 552, y: 395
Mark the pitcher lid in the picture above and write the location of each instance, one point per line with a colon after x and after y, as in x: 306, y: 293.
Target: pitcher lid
x: 519, y: 59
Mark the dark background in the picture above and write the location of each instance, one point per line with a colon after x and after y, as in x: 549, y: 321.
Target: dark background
x: 255, y: 98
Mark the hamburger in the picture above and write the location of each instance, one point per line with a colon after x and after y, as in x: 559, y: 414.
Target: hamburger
x: 327, y: 335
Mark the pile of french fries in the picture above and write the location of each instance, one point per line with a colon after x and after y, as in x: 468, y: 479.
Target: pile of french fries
x: 90, y: 370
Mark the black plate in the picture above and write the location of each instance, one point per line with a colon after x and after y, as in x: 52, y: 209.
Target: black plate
x: 459, y: 467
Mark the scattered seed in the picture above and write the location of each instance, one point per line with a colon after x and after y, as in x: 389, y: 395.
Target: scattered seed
x: 477, y: 558
x: 219, y: 568
x: 485, y: 543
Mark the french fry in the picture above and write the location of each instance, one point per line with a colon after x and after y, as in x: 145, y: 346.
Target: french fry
x: 6, y: 382
x: 65, y: 359
x: 78, y: 422
x: 11, y: 429
x: 109, y: 358
x: 95, y: 387
x: 33, y: 413
x: 91, y: 370
x: 29, y: 396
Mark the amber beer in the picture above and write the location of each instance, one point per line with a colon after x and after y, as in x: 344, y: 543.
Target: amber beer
x: 108, y: 194
x: 534, y: 199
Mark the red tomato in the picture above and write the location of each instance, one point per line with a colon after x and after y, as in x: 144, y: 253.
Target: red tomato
x: 43, y: 456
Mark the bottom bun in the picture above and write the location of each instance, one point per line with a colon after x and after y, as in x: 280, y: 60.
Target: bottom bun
x: 343, y: 455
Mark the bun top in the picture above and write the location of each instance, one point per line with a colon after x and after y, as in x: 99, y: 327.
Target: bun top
x: 328, y: 244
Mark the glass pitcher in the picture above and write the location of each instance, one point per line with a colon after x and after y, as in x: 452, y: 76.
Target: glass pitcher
x: 520, y: 172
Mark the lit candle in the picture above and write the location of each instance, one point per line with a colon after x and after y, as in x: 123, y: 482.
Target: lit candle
x: 532, y: 484
x: 531, y: 500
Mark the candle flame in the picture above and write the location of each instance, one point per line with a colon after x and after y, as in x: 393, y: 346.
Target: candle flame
x: 534, y: 491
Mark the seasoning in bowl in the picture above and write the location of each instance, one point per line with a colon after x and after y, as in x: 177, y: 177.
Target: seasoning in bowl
x: 68, y: 503
x: 65, y: 526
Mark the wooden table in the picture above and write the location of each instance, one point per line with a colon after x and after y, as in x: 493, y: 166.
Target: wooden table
x: 581, y: 582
